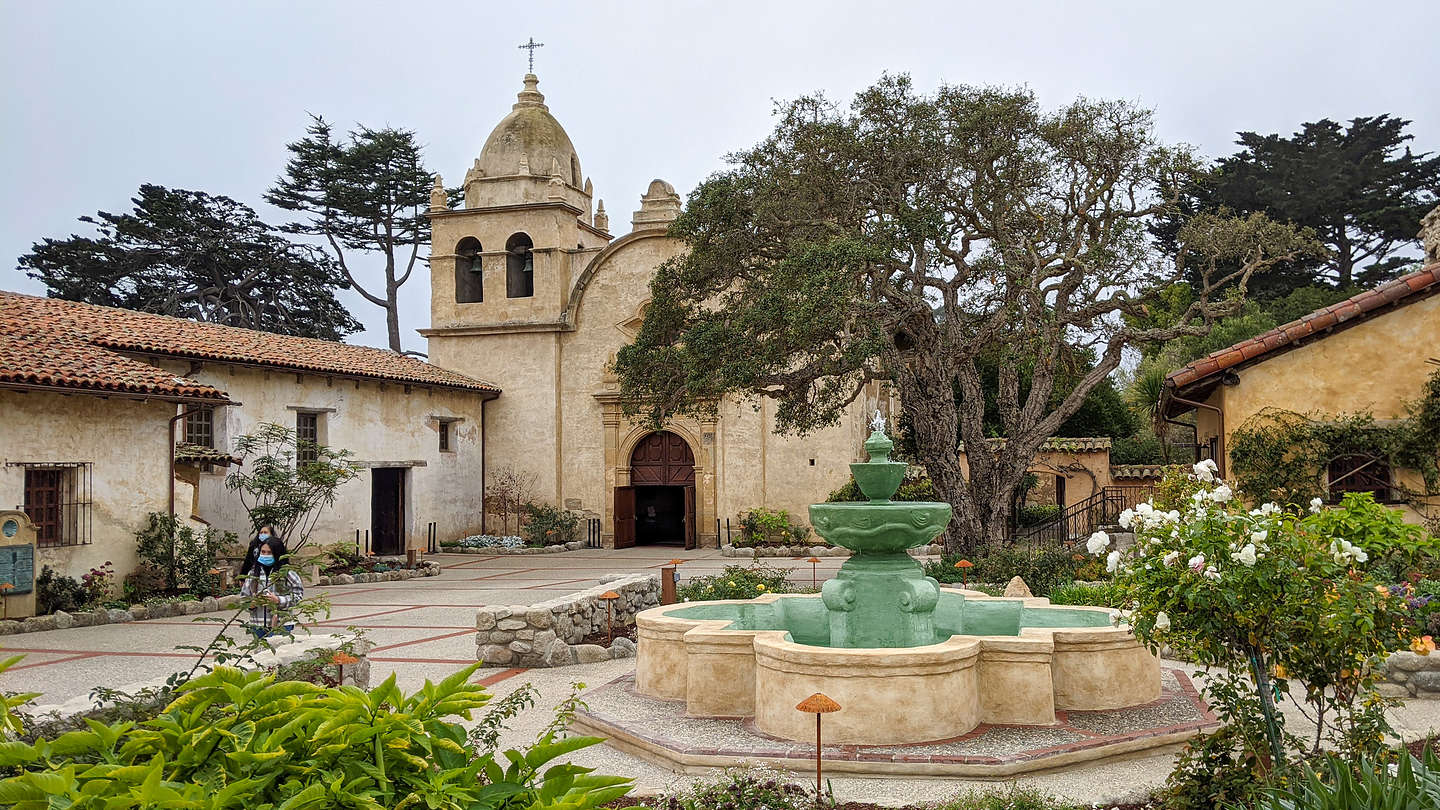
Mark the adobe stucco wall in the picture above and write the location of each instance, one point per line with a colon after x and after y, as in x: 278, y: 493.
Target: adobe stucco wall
x: 382, y: 425
x: 559, y: 418
x: 1377, y: 365
x: 125, y: 441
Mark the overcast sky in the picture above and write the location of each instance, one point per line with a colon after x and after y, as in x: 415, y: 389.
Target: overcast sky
x: 99, y: 97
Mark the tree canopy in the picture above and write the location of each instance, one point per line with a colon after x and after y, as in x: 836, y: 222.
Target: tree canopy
x: 909, y: 236
x: 1359, y: 187
x: 366, y: 193
x: 194, y: 255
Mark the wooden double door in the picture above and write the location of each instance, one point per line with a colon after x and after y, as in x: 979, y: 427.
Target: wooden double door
x: 658, y: 508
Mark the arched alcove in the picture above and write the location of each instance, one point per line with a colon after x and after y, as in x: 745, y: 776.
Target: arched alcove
x: 519, y: 266
x: 469, y: 277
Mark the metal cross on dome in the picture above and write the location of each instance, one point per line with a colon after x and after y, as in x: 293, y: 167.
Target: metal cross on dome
x: 531, y: 46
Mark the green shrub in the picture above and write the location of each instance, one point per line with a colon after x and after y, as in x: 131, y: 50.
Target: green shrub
x: 1034, y: 514
x: 915, y: 487
x: 1042, y: 571
x: 1010, y: 798
x: 183, y: 557
x: 1076, y: 594
x: 1214, y: 772
x: 761, y: 526
x: 1340, y: 784
x: 743, y: 788
x: 546, y: 525
x: 736, y: 582
x: 54, y: 591
x: 232, y: 739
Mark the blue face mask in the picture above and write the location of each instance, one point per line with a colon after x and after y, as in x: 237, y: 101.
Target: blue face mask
x: 266, y: 559
x: 264, y: 536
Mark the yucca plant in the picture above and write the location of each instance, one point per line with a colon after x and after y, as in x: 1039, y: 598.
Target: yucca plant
x: 232, y: 739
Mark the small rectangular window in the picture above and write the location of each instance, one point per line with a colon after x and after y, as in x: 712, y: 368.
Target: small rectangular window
x: 444, y: 436
x: 307, y: 437
x: 200, y: 427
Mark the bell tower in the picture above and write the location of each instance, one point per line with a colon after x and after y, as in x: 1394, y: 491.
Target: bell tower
x: 507, y: 258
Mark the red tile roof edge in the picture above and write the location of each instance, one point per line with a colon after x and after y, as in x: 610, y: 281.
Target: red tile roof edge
x: 124, y: 330
x: 1404, y: 290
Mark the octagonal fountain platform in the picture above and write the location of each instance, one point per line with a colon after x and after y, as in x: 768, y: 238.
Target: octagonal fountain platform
x: 930, y: 680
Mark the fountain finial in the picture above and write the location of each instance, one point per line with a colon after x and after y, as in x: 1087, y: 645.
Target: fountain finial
x: 877, y: 423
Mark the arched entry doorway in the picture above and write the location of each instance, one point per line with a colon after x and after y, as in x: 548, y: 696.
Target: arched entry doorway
x: 658, y: 508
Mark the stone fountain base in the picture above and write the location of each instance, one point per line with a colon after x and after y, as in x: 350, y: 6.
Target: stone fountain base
x: 661, y: 732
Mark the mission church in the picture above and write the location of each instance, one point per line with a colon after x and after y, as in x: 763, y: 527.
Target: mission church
x: 533, y: 292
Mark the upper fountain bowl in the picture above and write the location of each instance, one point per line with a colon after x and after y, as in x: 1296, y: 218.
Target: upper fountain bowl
x: 879, y: 528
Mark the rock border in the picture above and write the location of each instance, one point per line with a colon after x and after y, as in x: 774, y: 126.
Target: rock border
x: 500, y: 551
x: 548, y: 634
x: 60, y: 620
x: 427, y: 568
x: 1409, y: 675
x: 756, y: 552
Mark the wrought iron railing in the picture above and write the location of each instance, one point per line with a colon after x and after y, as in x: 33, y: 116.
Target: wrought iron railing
x: 1079, y: 520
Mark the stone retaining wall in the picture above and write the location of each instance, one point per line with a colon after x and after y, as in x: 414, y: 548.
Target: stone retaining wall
x: 574, y: 545
x: 1406, y: 675
x: 810, y: 551
x: 548, y: 634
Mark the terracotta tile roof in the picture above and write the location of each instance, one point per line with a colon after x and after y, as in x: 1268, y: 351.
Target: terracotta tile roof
x: 1395, y: 293
x: 1061, y: 444
x: 33, y: 353
x: 1137, y: 471
x: 102, y: 328
x: 200, y: 454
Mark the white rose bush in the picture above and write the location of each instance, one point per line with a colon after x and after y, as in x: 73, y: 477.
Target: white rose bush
x: 1271, y: 601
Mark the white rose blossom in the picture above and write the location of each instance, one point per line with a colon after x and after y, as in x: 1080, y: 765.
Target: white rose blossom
x: 1205, y: 470
x: 1126, y: 518
x: 1112, y: 561
x: 1259, y: 536
x: 1245, y: 556
x: 1098, y: 542
x: 1221, y: 494
x: 1197, y: 563
x: 1170, y: 558
x: 1162, y: 621
x: 1315, y: 505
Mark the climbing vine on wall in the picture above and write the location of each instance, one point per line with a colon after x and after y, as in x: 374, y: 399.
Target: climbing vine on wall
x: 1282, y: 455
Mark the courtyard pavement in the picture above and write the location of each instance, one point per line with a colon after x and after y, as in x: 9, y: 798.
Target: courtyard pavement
x: 424, y: 629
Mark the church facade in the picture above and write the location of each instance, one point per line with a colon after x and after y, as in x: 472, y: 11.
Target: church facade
x: 532, y: 290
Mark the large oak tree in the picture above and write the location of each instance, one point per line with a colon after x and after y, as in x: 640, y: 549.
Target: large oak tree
x: 195, y: 255
x: 909, y: 237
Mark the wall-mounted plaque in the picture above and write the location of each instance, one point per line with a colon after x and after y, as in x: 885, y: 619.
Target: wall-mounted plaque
x: 17, y: 566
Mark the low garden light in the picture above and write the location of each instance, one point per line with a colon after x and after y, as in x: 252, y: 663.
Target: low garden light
x: 610, y: 597
x: 340, y: 659
x: 814, y: 561
x: 964, y: 566
x: 817, y: 704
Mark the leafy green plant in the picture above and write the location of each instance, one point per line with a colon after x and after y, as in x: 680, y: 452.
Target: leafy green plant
x: 1042, y: 571
x: 761, y: 526
x: 743, y: 788
x: 485, y: 734
x: 55, y: 591
x: 1215, y: 771
x: 1272, y: 603
x: 915, y: 487
x: 1013, y: 797
x: 1036, y: 513
x: 232, y: 739
x: 1342, y: 784
x: 183, y: 557
x: 1076, y: 594
x: 11, y: 722
x: 736, y: 582
x: 287, y: 482
x: 546, y: 525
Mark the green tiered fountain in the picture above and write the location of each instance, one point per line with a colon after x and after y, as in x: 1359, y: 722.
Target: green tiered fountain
x: 881, y: 596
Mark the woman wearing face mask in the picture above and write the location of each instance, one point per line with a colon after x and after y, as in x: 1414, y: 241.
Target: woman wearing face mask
x: 277, y: 590
x: 265, y: 535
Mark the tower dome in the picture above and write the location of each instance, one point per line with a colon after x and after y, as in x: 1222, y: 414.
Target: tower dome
x: 529, y: 141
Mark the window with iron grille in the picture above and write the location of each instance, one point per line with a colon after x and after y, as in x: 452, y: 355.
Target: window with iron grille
x: 307, y: 437
x: 1359, y: 473
x: 57, y: 500
x: 444, y: 435
x: 200, y: 427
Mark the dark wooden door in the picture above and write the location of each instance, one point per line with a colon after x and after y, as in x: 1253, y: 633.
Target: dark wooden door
x: 387, y: 510
x: 662, y: 459
x: 624, y: 517
x: 690, y: 517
